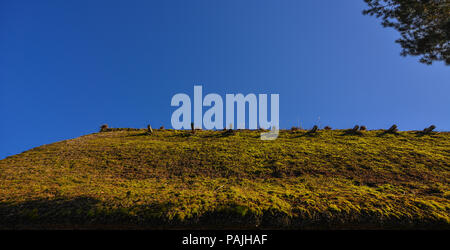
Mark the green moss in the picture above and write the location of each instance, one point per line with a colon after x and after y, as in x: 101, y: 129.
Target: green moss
x: 220, y: 179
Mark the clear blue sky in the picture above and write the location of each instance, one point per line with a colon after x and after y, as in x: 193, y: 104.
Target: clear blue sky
x: 66, y: 67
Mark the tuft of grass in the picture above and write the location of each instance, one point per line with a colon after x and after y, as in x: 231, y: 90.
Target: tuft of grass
x: 149, y: 129
x: 353, y: 131
x: 313, y: 130
x: 104, y: 127
x: 392, y: 130
x: 428, y: 130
